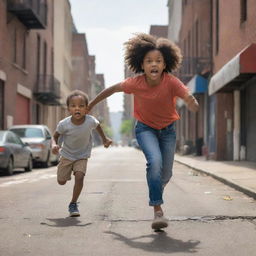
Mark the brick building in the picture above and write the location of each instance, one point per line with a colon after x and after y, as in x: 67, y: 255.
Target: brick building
x: 63, y: 27
x: 223, y: 47
x: 232, y: 86
x: 28, y: 88
x: 80, y: 64
x: 191, y: 30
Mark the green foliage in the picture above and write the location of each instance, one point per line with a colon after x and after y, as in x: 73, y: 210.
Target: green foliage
x: 126, y: 127
x: 107, y: 130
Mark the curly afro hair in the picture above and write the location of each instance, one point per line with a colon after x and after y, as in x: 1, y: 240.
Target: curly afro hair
x: 137, y: 47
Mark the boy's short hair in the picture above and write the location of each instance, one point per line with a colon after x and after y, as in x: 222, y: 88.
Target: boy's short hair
x: 77, y: 93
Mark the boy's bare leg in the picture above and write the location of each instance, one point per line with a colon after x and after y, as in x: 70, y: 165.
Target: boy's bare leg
x: 79, y: 181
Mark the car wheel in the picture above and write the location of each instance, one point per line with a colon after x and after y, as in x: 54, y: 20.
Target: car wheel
x: 30, y: 165
x: 9, y: 168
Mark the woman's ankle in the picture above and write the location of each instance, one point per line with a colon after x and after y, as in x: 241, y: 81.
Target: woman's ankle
x: 158, y: 208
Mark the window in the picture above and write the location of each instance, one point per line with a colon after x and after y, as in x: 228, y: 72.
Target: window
x: 217, y: 27
x: 24, y: 51
x: 15, y: 46
x: 45, y: 59
x: 28, y: 132
x: 38, y: 54
x: 1, y: 105
x: 243, y: 10
x: 197, y: 39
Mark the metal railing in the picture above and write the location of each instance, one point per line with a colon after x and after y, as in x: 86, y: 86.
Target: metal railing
x: 33, y: 13
x: 47, y: 90
x: 192, y: 66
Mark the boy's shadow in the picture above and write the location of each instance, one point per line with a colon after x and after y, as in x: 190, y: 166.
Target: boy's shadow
x: 65, y: 222
x: 160, y: 242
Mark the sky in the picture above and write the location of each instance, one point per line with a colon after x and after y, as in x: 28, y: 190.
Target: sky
x: 107, y: 25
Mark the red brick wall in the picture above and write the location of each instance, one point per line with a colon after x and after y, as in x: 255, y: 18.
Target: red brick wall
x: 233, y: 36
x: 193, y: 11
x: 15, y: 71
x: 80, y: 63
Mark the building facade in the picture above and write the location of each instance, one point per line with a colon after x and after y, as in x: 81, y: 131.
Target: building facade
x: 193, y: 35
x: 232, y: 85
x: 28, y: 88
x: 63, y: 31
x: 220, y: 48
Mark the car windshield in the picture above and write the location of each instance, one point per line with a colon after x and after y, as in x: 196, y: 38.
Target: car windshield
x: 28, y: 132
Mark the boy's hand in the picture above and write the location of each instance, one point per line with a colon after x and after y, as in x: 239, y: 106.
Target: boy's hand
x: 55, y: 149
x: 107, y: 142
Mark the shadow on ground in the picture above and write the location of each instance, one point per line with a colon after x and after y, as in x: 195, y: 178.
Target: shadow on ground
x: 160, y: 242
x: 65, y: 222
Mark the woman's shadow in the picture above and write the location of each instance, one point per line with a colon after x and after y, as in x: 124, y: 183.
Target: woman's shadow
x: 160, y: 242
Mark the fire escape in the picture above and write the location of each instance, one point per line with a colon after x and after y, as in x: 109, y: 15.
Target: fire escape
x: 32, y: 13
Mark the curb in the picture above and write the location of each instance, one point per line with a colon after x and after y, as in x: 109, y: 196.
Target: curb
x: 232, y: 184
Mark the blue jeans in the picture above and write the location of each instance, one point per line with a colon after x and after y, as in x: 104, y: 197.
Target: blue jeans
x: 158, y: 147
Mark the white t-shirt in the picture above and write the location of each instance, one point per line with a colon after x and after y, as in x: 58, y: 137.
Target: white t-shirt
x: 76, y: 139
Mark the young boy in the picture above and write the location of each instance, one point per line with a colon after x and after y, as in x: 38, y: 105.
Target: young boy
x: 76, y: 139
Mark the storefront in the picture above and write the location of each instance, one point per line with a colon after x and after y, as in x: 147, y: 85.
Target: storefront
x: 235, y: 121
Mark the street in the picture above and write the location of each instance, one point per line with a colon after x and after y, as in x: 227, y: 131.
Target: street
x: 205, y: 216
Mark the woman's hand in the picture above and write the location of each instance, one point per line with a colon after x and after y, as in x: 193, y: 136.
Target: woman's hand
x: 192, y: 103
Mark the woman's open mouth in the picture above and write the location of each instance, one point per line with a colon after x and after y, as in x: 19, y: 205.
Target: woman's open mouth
x: 154, y: 72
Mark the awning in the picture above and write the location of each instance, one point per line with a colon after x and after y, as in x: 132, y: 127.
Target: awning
x: 236, y: 72
x: 197, y: 84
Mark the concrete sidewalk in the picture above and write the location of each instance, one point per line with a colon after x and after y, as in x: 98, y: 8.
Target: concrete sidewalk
x: 240, y: 175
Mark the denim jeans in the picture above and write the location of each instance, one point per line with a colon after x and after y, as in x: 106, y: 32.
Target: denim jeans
x: 158, y: 147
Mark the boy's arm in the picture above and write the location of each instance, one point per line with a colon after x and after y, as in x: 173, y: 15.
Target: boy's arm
x: 56, y: 147
x: 191, y: 102
x: 106, y: 141
x: 104, y: 94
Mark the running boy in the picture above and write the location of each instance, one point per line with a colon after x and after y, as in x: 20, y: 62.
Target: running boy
x: 75, y: 131
x: 155, y: 91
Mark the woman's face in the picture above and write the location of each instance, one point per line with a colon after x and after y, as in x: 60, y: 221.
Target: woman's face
x: 153, y: 66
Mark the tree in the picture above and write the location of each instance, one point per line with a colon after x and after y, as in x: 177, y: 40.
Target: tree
x: 126, y: 127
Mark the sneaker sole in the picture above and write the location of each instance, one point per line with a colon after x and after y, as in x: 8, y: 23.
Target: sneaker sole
x: 74, y: 214
x: 159, y: 225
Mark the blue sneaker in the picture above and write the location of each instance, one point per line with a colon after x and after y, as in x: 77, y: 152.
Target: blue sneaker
x: 73, y: 210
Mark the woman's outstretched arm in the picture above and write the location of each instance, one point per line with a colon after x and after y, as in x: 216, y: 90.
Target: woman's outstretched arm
x: 191, y: 102
x: 104, y: 94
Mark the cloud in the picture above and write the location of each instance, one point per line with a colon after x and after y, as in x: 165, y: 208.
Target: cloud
x: 107, y: 45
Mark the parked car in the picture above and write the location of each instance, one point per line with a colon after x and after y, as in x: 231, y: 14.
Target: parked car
x: 39, y: 139
x: 14, y: 153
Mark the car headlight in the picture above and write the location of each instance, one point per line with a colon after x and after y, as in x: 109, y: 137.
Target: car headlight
x: 37, y: 146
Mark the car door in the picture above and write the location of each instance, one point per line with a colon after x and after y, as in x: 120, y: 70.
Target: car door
x: 48, y: 139
x: 14, y: 148
x: 23, y: 154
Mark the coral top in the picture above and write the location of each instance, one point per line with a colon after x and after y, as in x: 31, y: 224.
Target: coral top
x: 155, y: 106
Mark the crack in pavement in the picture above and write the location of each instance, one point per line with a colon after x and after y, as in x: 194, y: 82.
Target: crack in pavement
x: 191, y: 218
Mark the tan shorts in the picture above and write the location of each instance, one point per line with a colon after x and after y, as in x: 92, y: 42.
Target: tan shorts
x: 66, y: 167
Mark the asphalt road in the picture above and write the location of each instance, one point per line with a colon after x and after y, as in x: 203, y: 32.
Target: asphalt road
x: 205, y: 216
